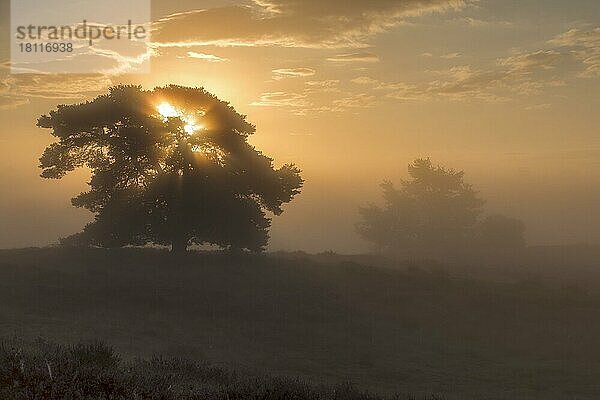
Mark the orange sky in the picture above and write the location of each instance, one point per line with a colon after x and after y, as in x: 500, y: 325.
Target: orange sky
x: 351, y: 91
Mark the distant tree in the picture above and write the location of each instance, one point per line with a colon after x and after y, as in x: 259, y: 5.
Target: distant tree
x: 169, y: 166
x: 500, y: 233
x: 433, y: 211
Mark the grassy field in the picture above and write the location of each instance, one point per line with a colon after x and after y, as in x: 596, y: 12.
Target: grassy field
x: 93, y: 371
x: 387, y: 327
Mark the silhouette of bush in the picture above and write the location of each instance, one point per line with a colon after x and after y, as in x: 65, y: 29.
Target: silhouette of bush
x: 93, y: 371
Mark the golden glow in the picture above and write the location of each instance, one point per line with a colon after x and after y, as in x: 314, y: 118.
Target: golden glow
x: 167, y: 110
x: 191, y: 126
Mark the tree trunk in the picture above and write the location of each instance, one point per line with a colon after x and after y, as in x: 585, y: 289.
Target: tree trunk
x: 179, y: 246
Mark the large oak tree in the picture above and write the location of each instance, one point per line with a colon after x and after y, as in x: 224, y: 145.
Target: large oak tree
x: 169, y: 166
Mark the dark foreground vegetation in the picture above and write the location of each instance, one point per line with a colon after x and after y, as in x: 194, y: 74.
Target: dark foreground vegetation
x: 388, y: 327
x: 41, y: 370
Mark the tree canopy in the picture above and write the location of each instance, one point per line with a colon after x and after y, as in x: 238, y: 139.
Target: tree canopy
x: 433, y: 212
x: 169, y: 166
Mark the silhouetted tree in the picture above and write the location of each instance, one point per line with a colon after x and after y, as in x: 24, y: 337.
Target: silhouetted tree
x: 169, y: 166
x: 433, y: 211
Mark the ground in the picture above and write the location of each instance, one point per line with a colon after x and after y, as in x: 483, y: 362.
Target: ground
x: 386, y: 326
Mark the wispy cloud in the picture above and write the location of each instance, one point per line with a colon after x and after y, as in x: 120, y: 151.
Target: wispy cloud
x: 517, y: 75
x: 530, y: 62
x: 359, y: 100
x: 292, y: 23
x: 20, y: 89
x: 538, y: 107
x: 365, y: 80
x: 328, y: 83
x: 520, y: 74
x: 355, y: 57
x: 282, y: 73
x: 9, y: 101
x: 584, y: 45
x: 316, y: 97
x: 281, y: 99
x: 479, y: 23
x: 450, y: 56
x: 206, y: 57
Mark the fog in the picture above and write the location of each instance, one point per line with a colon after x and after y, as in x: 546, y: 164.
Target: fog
x: 303, y: 199
x: 553, y: 192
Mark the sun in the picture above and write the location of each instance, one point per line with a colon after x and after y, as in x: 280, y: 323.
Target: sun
x: 167, y: 110
x: 192, y: 126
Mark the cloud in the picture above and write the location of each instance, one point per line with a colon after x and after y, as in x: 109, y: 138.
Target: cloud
x: 578, y: 37
x: 405, y: 92
x: 530, y: 62
x: 117, y: 62
x: 9, y: 102
x: 316, y: 97
x: 519, y: 74
x: 282, y: 73
x: 57, y: 86
x: 491, y: 85
x: 354, y: 57
x: 474, y: 22
x: 328, y: 83
x: 19, y: 89
x: 584, y: 45
x: 395, y: 90
x: 360, y: 100
x: 538, y: 107
x: 451, y: 56
x: 206, y: 57
x: 364, y: 80
x: 293, y: 23
x: 503, y: 79
x: 516, y: 75
x: 479, y: 23
x: 324, y: 86
x: 281, y: 99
